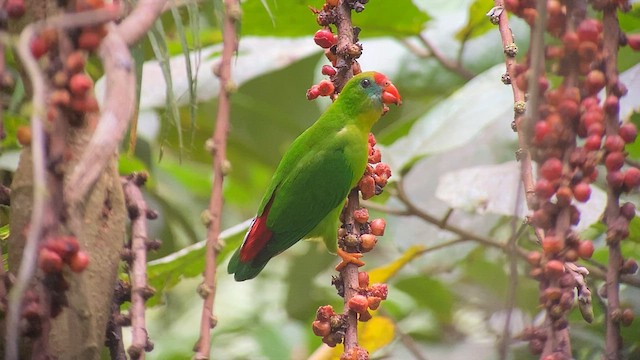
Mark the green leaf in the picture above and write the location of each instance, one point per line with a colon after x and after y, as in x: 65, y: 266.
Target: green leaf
x: 439, y: 300
x: 166, y: 272
x: 156, y: 37
x: 293, y: 18
x: 478, y: 22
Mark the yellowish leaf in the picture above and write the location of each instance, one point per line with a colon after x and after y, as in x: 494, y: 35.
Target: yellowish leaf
x: 383, y: 273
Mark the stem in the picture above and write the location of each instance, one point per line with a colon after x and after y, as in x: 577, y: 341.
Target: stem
x: 349, y: 276
x: 29, y: 257
x: 208, y: 321
x: 346, y: 39
x: 611, y: 33
x: 138, y: 271
x: 453, y: 66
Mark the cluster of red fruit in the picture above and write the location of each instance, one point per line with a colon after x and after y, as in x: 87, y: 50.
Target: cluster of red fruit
x: 58, y: 250
x: 376, y: 174
x: 326, y: 39
x: 571, y: 111
x: 331, y: 326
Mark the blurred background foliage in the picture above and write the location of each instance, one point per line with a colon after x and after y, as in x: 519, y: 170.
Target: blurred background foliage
x: 448, y: 303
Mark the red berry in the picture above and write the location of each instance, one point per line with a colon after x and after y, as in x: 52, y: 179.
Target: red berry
x: 551, y: 245
x: 563, y: 196
x: 89, y: 40
x: 79, y: 261
x: 551, y: 169
x: 368, y: 242
x: 544, y: 189
x: 571, y: 40
x: 596, y: 129
x: 630, y: 266
x: 534, y: 257
x: 49, y: 261
x: 614, y: 161
x: 367, y: 187
x: 321, y: 328
x: 372, y: 139
x: 313, y: 92
x: 23, y: 134
x: 631, y: 178
x: 568, y: 108
x: 585, y: 249
x: 79, y: 84
x: 38, y: 47
x: 75, y: 61
x: 633, y: 40
x: 541, y: 130
x: 328, y: 70
x: 358, y: 304
x: 375, y: 157
x: 382, y: 169
x: 325, y: 313
x: 554, y: 268
x: 324, y: 38
x: 15, y: 8
x: 377, y: 227
x: 593, y: 142
x: 361, y: 215
x: 615, y: 179
x: 512, y: 6
x: 627, y: 317
x: 628, y: 132
x: 628, y: 210
x: 614, y: 143
x: 374, y: 302
x: 582, y: 191
x: 325, y: 88
x: 611, y: 105
x: 594, y: 81
x: 589, y: 30
x: 379, y: 290
x: 363, y: 279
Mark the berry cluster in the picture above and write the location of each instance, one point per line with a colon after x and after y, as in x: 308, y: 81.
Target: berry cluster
x: 368, y: 297
x: 572, y: 135
x: 58, y: 250
x: 326, y: 39
x: 331, y: 326
x: 376, y: 174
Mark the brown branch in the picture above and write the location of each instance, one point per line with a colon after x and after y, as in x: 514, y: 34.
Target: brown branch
x: 346, y: 46
x: 349, y: 275
x: 30, y: 253
x: 523, y: 155
x: 208, y: 287
x: 137, y: 24
x: 138, y: 269
x: 453, y: 66
x: 611, y: 35
x: 114, y: 118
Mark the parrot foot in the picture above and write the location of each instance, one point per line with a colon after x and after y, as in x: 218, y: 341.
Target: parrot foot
x: 348, y: 258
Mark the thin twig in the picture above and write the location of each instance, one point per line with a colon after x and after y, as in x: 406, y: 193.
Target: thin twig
x: 349, y: 276
x: 138, y: 269
x: 208, y: 287
x: 453, y: 66
x: 28, y: 263
x: 611, y: 35
x: 346, y: 40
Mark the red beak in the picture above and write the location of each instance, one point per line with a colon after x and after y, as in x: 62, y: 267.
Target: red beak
x: 390, y: 94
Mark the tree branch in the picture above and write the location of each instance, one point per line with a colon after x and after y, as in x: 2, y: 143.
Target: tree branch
x: 29, y: 257
x: 208, y: 287
x: 453, y: 66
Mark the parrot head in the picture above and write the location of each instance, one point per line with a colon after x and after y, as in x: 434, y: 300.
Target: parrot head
x: 374, y: 86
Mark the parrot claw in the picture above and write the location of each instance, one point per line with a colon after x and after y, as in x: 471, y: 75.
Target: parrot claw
x: 348, y: 258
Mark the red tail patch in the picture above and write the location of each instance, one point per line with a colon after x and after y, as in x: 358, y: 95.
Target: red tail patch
x: 257, y: 237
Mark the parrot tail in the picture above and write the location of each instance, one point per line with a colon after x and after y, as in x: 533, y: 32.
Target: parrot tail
x: 245, y: 271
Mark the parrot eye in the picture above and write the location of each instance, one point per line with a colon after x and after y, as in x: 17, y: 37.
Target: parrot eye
x: 365, y: 83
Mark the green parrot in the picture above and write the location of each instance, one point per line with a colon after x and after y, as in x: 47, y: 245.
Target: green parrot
x: 314, y: 177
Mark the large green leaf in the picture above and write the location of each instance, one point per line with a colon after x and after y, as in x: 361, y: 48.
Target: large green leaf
x: 165, y: 272
x: 293, y: 18
x: 478, y: 22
